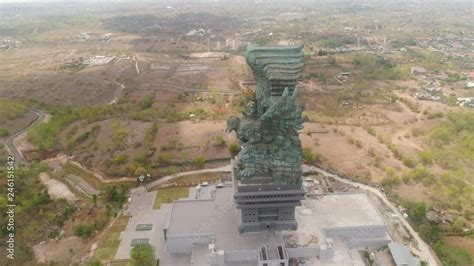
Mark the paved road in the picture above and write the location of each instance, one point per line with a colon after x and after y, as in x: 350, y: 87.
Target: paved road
x: 10, y: 141
x: 424, y: 249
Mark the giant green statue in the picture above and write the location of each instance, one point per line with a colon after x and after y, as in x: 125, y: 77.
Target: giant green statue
x: 268, y: 129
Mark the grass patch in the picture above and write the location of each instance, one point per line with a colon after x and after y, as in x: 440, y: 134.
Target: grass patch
x: 167, y: 195
x: 451, y: 255
x: 109, y: 245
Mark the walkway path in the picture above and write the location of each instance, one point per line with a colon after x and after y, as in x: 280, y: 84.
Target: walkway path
x: 164, y: 179
x: 117, y: 93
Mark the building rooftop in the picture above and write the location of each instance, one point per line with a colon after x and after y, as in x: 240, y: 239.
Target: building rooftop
x: 401, y: 255
x: 191, y: 216
x: 338, y: 210
x: 217, y: 216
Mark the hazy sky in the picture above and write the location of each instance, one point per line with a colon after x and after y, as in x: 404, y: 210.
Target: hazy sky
x: 295, y: 1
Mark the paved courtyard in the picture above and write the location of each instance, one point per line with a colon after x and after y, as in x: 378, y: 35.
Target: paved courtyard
x: 142, y: 212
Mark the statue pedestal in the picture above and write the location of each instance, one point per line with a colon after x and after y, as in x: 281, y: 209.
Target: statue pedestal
x: 265, y: 206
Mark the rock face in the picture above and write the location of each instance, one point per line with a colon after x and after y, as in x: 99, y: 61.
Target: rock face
x: 268, y: 129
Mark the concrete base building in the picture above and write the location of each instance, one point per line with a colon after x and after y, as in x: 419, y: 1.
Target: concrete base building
x: 263, y: 205
x: 205, y: 229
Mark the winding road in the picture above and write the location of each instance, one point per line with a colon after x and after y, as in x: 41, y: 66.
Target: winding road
x: 10, y: 141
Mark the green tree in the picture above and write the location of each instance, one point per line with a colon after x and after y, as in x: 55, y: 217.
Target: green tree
x: 417, y: 212
x: 142, y: 255
x: 115, y: 195
x: 431, y: 233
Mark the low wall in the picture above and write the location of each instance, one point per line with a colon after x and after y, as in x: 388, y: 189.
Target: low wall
x: 183, y: 243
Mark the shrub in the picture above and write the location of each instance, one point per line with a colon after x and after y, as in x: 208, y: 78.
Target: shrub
x: 164, y: 159
x: 95, y: 263
x: 410, y: 162
x: 414, y: 107
x: 141, y: 157
x: 142, y: 255
x: 391, y: 179
x: 426, y: 157
x: 199, y: 161
x: 120, y: 159
x: 371, y: 151
x: 4, y: 132
x: 416, y: 212
x: 146, y: 102
x: 83, y: 230
x: 420, y: 174
x: 378, y: 161
x: 430, y: 232
x: 451, y: 255
x: 395, y: 151
x: 416, y: 132
x: 371, y: 131
x: 116, y: 196
x: 309, y: 157
x: 435, y: 115
x: 219, y: 141
x: 150, y: 134
x: 172, y: 144
x: 355, y: 142
x: 234, y: 148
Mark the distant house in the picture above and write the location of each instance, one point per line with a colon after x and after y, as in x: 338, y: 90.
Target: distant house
x: 418, y: 70
x: 469, y: 104
x: 465, y: 102
x: 469, y: 84
x: 401, y: 255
